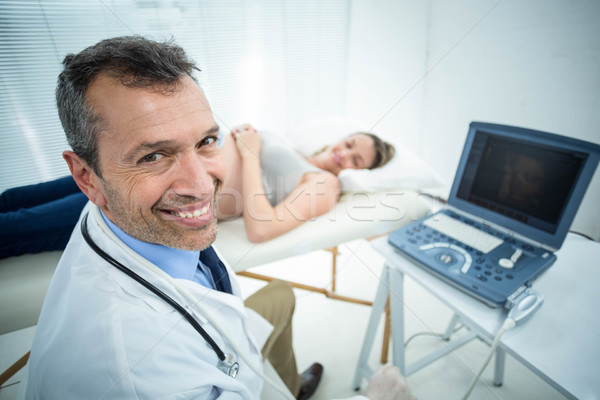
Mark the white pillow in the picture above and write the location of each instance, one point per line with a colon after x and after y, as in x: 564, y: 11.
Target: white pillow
x: 405, y: 171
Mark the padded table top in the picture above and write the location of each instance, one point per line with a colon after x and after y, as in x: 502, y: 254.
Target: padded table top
x: 355, y: 216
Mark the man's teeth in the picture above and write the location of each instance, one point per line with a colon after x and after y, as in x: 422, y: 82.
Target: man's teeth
x: 195, y: 214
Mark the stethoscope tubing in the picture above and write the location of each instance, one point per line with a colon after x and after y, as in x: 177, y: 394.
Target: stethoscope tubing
x: 151, y: 287
x: 226, y: 365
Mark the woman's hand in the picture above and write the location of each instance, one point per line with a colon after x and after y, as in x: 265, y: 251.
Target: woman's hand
x: 247, y: 140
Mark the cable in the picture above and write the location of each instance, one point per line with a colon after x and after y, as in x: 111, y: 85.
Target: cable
x: 433, y: 334
x: 583, y: 235
x: 434, y: 197
x: 508, y: 324
x: 525, y: 305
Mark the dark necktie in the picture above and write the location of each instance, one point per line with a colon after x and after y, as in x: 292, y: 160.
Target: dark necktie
x: 219, y: 273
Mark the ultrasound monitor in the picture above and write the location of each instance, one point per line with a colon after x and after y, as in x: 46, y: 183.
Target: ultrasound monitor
x: 514, y: 197
x: 526, y: 181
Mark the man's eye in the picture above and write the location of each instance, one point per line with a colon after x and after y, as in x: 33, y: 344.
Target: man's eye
x: 207, y: 141
x: 151, y: 158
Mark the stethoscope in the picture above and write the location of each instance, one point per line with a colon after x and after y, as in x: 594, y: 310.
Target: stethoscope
x: 226, y: 362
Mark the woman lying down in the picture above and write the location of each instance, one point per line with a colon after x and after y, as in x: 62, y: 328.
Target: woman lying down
x: 275, y: 188
x: 268, y: 182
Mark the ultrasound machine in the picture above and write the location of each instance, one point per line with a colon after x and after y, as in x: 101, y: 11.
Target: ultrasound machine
x: 515, y: 194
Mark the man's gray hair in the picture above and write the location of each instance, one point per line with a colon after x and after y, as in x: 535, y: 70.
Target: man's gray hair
x: 133, y: 61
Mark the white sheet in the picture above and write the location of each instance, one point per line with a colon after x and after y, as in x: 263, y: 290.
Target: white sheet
x: 356, y: 215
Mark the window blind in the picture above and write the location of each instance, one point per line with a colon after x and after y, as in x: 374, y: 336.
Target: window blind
x: 269, y: 63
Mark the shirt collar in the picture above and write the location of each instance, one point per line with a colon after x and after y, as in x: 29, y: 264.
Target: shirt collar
x: 179, y: 264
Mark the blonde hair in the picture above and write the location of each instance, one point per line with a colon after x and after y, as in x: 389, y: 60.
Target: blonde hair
x: 384, y: 151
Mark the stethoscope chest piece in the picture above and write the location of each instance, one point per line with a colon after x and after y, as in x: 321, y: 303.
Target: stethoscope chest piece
x: 228, y: 366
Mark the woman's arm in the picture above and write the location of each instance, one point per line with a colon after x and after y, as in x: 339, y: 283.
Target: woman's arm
x: 315, y: 194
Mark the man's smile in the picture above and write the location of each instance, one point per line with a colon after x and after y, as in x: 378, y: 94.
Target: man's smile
x: 199, y: 213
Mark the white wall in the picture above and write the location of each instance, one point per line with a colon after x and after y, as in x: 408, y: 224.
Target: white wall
x: 388, y: 43
x: 532, y: 63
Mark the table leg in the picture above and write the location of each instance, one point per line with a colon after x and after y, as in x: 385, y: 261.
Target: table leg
x: 362, y: 369
x: 499, y: 367
x: 387, y: 333
x: 450, y: 329
x: 397, y: 314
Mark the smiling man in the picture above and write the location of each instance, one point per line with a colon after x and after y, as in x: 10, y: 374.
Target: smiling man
x: 161, y: 169
x: 140, y: 305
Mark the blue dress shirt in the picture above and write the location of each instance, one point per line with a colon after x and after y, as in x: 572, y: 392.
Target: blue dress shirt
x: 179, y: 264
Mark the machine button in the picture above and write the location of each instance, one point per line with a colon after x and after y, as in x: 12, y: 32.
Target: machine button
x: 446, y: 258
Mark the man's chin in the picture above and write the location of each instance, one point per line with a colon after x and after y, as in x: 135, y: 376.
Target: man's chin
x: 200, y: 240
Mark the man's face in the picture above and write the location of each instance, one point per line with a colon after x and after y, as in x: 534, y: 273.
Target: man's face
x: 161, y: 168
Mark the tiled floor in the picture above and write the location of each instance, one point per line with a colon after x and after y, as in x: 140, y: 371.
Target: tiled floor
x: 331, y: 332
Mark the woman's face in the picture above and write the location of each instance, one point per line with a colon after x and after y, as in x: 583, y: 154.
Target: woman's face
x: 354, y: 152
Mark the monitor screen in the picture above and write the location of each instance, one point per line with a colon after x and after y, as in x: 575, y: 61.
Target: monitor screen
x: 529, y: 182
x: 526, y: 182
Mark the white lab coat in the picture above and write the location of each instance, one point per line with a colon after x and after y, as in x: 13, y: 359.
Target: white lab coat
x: 103, y: 335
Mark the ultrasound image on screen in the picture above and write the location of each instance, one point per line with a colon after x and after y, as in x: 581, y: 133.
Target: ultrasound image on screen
x: 523, y: 181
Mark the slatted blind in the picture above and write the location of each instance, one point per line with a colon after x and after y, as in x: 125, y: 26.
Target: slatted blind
x: 271, y: 63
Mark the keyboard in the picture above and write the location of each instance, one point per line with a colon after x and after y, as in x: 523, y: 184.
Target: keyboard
x: 458, y: 230
x: 468, y: 254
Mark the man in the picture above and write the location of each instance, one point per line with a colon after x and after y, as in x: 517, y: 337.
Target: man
x: 145, y: 153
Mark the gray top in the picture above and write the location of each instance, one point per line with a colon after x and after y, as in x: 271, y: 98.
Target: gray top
x: 282, y: 166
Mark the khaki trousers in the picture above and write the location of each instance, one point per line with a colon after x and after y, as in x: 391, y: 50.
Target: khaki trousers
x: 276, y: 302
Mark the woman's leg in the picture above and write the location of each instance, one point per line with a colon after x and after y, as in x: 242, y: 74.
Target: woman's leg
x: 37, y: 194
x: 45, y: 227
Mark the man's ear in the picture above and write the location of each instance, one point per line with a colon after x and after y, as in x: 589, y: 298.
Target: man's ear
x: 86, y: 178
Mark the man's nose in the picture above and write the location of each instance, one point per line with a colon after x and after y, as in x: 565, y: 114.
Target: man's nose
x: 192, y: 177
